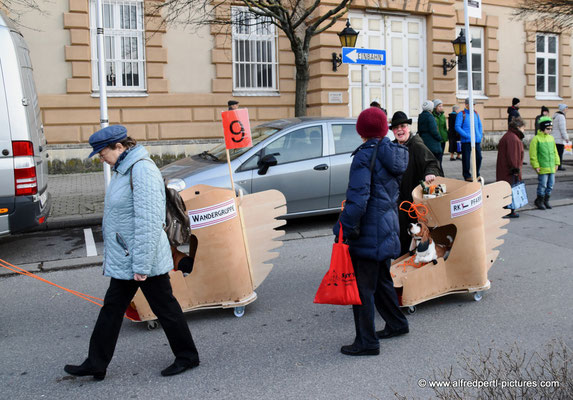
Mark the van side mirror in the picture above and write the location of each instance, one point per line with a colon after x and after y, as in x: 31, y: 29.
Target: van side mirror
x: 267, y: 161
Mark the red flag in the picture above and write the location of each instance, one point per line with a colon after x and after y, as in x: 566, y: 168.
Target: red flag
x: 237, y: 128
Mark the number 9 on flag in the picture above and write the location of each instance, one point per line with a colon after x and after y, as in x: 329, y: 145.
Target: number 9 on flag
x: 237, y: 128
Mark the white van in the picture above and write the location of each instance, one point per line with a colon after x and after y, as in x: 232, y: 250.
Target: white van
x: 24, y: 199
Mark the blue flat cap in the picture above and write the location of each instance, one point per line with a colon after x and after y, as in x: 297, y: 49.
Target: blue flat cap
x: 112, y: 134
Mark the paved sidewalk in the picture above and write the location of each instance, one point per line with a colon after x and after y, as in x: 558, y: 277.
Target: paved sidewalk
x: 77, y: 199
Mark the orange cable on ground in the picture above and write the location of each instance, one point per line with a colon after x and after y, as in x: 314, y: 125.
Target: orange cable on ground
x: 22, y: 271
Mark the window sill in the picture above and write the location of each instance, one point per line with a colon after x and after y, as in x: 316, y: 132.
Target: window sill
x: 255, y: 93
x: 476, y: 96
x: 548, y: 97
x: 122, y: 94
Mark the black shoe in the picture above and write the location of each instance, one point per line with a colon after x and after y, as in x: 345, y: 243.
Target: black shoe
x: 178, y: 367
x: 511, y: 215
x: 539, y: 202
x: 82, y: 370
x: 354, y: 351
x: 546, y: 202
x: 560, y: 168
x: 387, y: 333
x: 453, y: 159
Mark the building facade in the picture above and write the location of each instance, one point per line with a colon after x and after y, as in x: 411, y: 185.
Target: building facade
x: 168, y: 85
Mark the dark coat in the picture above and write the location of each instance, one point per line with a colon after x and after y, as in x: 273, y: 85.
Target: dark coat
x: 370, y: 216
x: 428, y: 131
x: 453, y: 136
x: 512, y: 112
x: 509, y: 156
x: 422, y: 162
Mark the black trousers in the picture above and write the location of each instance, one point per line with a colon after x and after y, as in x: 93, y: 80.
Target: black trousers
x: 377, y: 291
x: 466, y: 159
x: 158, y: 292
x: 560, y: 149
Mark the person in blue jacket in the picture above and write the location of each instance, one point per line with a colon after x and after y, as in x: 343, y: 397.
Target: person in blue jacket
x: 463, y: 129
x: 370, y: 225
x: 136, y: 254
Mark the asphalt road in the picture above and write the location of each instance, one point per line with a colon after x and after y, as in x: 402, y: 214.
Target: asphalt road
x: 70, y: 244
x: 286, y: 347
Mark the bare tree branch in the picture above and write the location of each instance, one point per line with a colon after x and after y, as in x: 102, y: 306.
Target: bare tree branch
x: 552, y: 15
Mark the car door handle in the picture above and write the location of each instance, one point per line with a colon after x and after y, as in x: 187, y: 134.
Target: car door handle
x: 321, y: 167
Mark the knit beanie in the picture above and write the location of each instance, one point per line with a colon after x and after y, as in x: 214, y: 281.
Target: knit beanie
x: 544, y: 122
x: 437, y: 102
x: 428, y: 105
x: 562, y: 107
x: 372, y: 123
x: 543, y: 108
x: 514, y: 101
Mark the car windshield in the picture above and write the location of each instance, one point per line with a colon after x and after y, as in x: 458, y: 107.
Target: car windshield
x: 258, y: 134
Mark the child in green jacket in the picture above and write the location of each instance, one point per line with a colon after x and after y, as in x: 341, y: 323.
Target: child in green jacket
x: 545, y: 160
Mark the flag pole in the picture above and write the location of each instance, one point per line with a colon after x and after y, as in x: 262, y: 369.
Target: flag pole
x: 230, y: 170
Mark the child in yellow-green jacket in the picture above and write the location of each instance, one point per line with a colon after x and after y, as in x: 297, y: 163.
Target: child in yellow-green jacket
x: 545, y: 160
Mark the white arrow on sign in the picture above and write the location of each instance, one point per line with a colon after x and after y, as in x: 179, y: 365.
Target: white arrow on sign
x: 353, y: 55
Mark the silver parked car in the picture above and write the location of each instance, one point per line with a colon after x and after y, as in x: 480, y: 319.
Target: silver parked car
x: 307, y: 159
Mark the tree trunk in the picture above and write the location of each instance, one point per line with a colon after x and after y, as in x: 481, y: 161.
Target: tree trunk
x: 302, y: 78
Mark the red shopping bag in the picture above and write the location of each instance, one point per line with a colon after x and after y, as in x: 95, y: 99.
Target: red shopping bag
x: 339, y: 284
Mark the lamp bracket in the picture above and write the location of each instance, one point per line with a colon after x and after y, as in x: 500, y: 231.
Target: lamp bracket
x: 449, y: 65
x: 336, y: 61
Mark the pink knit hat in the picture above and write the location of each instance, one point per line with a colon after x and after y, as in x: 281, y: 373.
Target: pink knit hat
x: 372, y: 123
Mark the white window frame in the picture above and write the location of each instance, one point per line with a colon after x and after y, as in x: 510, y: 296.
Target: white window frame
x: 547, y: 56
x: 463, y: 93
x: 257, y: 33
x: 114, y: 36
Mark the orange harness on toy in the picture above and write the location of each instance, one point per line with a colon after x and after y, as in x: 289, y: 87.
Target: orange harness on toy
x: 417, y: 211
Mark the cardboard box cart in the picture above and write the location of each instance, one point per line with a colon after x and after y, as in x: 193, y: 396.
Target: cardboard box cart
x: 471, y: 214
x: 235, y: 239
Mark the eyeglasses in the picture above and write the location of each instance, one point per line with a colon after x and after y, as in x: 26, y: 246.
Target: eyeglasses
x: 101, y: 154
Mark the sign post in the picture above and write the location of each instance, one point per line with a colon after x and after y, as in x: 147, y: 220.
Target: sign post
x: 103, y: 118
x: 475, y: 12
x: 354, y: 55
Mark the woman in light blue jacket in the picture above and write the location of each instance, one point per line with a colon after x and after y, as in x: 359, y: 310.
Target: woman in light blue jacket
x: 136, y: 254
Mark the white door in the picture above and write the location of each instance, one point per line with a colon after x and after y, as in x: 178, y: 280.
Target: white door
x: 400, y: 85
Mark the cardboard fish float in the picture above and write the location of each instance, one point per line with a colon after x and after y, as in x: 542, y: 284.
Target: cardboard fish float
x: 470, y: 215
x: 234, y: 238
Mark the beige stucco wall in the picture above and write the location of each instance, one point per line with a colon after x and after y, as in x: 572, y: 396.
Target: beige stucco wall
x: 512, y: 59
x: 189, y: 68
x: 44, y: 34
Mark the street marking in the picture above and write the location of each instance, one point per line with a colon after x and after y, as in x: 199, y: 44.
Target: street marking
x: 90, y: 242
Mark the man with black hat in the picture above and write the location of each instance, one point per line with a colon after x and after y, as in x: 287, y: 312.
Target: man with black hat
x: 233, y: 104
x: 512, y: 112
x: 422, y: 166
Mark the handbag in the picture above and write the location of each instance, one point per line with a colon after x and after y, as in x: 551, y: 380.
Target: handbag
x: 518, y: 196
x: 339, y: 284
x: 568, y: 149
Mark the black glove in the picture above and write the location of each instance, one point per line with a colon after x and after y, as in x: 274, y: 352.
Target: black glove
x: 514, y: 171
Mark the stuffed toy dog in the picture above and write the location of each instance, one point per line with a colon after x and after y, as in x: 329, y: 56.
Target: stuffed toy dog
x: 424, y: 247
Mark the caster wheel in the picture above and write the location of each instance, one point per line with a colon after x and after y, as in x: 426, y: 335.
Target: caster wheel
x: 478, y: 296
x: 151, y: 325
x: 239, y: 311
x: 411, y: 309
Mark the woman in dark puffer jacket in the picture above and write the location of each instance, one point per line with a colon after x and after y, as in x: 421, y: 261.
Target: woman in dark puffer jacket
x: 370, y: 222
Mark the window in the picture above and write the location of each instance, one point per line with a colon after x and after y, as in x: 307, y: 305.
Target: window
x: 346, y: 140
x: 477, y: 65
x: 298, y: 145
x: 124, y: 45
x: 254, y: 53
x: 546, y: 60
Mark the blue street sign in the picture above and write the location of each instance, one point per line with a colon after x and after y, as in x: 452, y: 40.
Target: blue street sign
x: 354, y: 55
